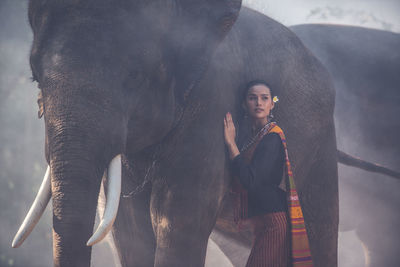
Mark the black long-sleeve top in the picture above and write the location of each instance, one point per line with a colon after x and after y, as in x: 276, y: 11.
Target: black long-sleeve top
x: 263, y: 175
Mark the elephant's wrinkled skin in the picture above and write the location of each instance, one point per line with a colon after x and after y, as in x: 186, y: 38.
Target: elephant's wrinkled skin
x: 152, y: 80
x: 365, y: 66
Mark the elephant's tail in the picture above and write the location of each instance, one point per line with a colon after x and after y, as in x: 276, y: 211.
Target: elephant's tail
x: 347, y: 159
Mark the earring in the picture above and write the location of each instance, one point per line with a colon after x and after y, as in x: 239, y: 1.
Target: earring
x: 270, y: 115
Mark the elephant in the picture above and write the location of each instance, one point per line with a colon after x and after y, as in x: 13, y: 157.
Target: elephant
x: 365, y: 66
x: 133, y: 94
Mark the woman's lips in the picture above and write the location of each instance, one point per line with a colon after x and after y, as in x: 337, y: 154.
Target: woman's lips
x: 259, y: 110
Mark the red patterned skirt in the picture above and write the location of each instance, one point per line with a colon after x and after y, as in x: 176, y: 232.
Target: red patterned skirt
x: 271, y: 244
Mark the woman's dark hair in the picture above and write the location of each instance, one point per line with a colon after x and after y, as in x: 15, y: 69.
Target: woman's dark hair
x: 255, y: 82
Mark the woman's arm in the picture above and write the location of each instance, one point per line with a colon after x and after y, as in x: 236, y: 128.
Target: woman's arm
x: 233, y: 151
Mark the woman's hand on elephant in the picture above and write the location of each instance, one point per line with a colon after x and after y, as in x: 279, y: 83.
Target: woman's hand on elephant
x: 229, y: 130
x: 230, y: 134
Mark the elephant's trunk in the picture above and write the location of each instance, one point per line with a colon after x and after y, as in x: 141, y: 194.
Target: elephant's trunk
x: 75, y: 188
x: 80, y: 152
x: 110, y: 213
x: 84, y: 133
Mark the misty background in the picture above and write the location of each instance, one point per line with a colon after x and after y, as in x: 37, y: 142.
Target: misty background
x: 22, y: 165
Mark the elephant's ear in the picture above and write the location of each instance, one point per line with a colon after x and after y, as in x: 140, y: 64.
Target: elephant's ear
x: 196, y: 31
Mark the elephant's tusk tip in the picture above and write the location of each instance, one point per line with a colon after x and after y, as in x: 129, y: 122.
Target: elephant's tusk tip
x: 93, y: 240
x: 101, y: 232
x: 16, y: 242
x: 90, y: 243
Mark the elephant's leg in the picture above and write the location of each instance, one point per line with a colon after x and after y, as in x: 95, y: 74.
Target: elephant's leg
x: 132, y: 231
x: 319, y: 197
x: 181, y: 239
x: 183, y: 215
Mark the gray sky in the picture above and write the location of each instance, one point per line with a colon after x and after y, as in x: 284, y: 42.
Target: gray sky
x: 380, y: 14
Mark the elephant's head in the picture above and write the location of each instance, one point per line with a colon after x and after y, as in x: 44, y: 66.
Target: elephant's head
x: 113, y: 77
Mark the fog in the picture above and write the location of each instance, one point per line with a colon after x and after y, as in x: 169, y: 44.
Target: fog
x: 366, y: 13
x: 364, y: 197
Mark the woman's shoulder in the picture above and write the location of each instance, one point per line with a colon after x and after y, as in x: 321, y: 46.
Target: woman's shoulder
x: 270, y: 139
x: 276, y: 129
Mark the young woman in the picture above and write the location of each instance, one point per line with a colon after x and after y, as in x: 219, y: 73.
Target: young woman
x: 265, y: 193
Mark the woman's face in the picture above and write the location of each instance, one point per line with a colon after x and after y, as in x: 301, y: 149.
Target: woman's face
x: 258, y: 102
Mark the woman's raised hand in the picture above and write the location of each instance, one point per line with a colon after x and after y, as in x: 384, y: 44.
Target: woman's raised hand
x: 229, y: 134
x: 229, y: 130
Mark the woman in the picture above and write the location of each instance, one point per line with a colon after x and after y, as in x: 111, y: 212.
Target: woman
x: 265, y: 193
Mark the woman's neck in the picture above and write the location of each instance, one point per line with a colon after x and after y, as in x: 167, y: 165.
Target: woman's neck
x: 257, y: 124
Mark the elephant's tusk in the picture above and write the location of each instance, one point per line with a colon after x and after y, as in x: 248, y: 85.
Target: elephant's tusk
x: 112, y: 201
x: 35, y: 212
